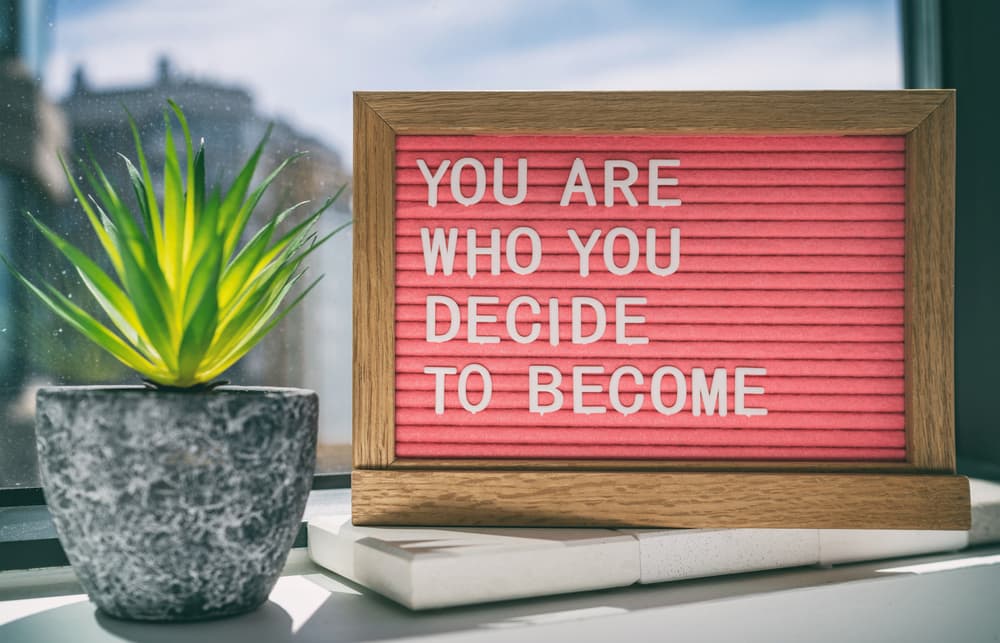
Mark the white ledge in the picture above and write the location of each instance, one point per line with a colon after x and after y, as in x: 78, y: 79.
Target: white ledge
x: 932, y: 598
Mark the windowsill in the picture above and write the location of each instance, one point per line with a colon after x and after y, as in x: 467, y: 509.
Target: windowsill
x: 946, y: 597
x: 929, y: 598
x: 30, y: 529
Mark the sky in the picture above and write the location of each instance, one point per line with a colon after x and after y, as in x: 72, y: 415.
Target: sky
x: 301, y: 59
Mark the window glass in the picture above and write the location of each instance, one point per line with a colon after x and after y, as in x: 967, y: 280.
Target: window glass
x: 238, y: 65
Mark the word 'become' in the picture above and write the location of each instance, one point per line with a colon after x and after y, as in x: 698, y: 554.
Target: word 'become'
x: 709, y: 395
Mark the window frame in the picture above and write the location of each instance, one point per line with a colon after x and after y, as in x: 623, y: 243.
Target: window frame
x: 31, y: 553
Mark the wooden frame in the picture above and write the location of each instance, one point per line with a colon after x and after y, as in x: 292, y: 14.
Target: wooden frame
x: 921, y: 493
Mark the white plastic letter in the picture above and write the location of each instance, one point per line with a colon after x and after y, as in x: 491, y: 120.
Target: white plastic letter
x: 473, y: 251
x: 476, y: 318
x: 625, y: 185
x: 554, y: 321
x: 622, y: 318
x: 578, y: 181
x: 522, y: 182
x: 655, y: 181
x: 456, y: 319
x: 742, y: 390
x: 609, y: 251
x: 463, y: 386
x: 600, y: 321
x: 433, y: 180
x: 536, y: 250
x: 456, y: 180
x: 675, y: 252
x: 657, y: 385
x: 439, y: 248
x: 614, y: 390
x: 579, y: 388
x: 439, y: 372
x: 536, y: 328
x: 584, y: 249
x: 552, y: 388
x: 710, y: 398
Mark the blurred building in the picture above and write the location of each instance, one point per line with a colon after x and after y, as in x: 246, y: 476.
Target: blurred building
x: 31, y: 130
x: 225, y: 118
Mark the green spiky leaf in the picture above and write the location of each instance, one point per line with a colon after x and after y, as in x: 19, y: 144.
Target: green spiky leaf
x: 187, y: 302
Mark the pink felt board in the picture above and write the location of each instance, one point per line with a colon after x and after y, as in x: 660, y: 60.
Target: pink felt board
x: 791, y: 260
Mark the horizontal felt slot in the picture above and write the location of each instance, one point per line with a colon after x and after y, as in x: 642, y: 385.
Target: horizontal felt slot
x: 688, y: 212
x: 651, y: 142
x: 654, y: 329
x: 820, y: 420
x: 639, y: 436
x: 818, y: 368
x: 706, y: 281
x: 654, y: 311
x: 646, y: 452
x: 558, y: 230
x: 515, y: 380
x: 690, y: 159
x: 773, y: 402
x: 608, y: 350
x: 693, y: 263
x: 679, y: 298
x: 688, y: 177
x: 762, y: 247
x: 687, y: 194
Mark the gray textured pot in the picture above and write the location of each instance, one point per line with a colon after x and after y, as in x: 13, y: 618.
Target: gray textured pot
x: 175, y: 505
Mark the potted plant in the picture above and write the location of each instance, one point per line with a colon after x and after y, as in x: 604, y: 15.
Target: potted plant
x: 180, y: 499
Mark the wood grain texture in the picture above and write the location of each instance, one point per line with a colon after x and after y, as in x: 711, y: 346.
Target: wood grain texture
x: 657, y: 499
x: 929, y: 290
x: 374, y: 290
x: 856, y: 112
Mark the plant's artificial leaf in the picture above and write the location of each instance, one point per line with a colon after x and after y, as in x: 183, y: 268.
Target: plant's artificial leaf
x: 111, y: 298
x: 151, y: 211
x: 248, y: 342
x: 188, y: 302
x: 89, y: 327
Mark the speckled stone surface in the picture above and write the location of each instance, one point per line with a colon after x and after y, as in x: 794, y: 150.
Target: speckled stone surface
x: 985, y: 512
x: 176, y: 506
x: 678, y: 554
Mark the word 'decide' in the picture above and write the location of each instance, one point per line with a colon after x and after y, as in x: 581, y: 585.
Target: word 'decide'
x: 475, y: 319
x: 619, y: 177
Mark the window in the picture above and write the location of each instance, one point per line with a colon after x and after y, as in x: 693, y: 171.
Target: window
x: 236, y: 65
